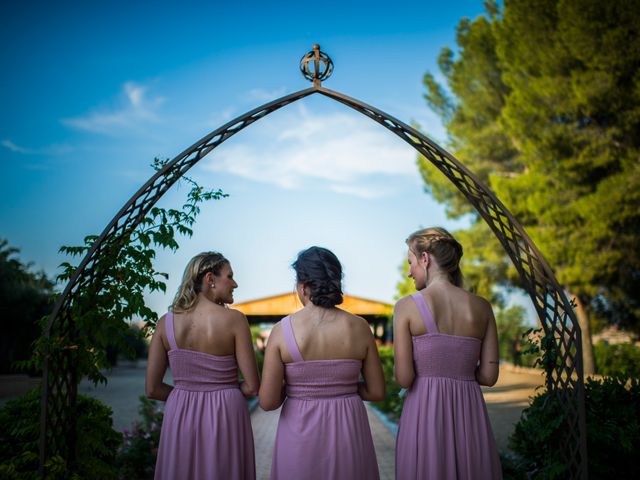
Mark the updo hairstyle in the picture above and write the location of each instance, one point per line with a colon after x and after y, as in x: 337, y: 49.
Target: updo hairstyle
x: 319, y: 270
x: 191, y: 283
x: 441, y: 245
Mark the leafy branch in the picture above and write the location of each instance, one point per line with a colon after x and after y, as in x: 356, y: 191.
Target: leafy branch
x: 102, y: 311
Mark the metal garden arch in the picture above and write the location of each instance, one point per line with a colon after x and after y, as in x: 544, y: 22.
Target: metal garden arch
x: 564, y: 374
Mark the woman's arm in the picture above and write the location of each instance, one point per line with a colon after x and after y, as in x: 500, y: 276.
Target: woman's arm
x: 246, y: 358
x: 157, y: 363
x: 402, y: 346
x: 488, y: 370
x: 272, y: 386
x: 372, y: 389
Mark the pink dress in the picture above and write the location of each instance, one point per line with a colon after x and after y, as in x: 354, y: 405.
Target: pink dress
x: 323, y: 431
x: 444, y: 430
x: 206, y: 431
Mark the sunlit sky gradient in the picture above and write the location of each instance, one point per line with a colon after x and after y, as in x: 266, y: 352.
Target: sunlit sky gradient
x: 91, y: 93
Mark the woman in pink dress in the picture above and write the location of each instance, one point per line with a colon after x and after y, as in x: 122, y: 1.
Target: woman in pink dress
x: 445, y: 347
x: 206, y: 431
x: 313, y: 362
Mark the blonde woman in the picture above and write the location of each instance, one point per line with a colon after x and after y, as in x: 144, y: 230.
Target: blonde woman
x: 206, y: 431
x: 445, y: 347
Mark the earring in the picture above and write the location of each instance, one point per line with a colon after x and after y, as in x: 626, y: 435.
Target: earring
x: 213, y: 285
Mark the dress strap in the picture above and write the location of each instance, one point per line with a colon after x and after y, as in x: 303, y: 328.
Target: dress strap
x: 427, y: 316
x: 290, y: 339
x: 168, y: 327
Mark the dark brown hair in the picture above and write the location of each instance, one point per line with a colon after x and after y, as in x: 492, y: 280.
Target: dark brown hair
x: 319, y: 269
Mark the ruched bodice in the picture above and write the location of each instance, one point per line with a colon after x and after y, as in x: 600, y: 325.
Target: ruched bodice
x: 444, y: 429
x: 323, y: 431
x: 322, y: 378
x: 440, y: 355
x: 202, y: 372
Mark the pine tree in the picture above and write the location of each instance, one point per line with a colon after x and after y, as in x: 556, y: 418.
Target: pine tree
x: 543, y: 105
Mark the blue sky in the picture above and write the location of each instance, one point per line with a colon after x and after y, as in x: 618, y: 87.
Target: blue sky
x: 92, y: 92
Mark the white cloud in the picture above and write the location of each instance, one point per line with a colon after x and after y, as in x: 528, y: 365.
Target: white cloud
x: 15, y: 148
x: 362, y: 191
x: 55, y: 149
x: 265, y: 95
x: 220, y: 118
x: 135, y: 94
x: 339, y: 151
x: 134, y: 110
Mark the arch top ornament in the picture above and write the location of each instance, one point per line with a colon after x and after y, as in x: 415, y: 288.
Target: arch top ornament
x: 564, y: 375
x: 316, y: 66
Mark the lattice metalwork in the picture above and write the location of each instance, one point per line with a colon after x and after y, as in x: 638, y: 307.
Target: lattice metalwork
x: 562, y: 339
x: 562, y: 333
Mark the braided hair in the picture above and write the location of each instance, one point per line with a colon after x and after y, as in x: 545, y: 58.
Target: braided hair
x: 319, y: 270
x: 191, y: 283
x: 440, y: 244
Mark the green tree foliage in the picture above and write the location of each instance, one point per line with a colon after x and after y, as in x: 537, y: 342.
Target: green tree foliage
x: 393, y: 399
x: 25, y: 297
x: 543, y: 105
x: 511, y: 326
x: 618, y: 360
x: 20, y: 435
x: 102, y: 312
x: 405, y: 285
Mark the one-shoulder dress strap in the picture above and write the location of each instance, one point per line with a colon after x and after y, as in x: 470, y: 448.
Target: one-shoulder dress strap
x: 427, y: 316
x: 168, y: 327
x: 290, y: 339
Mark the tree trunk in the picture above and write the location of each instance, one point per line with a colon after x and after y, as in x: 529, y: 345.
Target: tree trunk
x: 583, y: 311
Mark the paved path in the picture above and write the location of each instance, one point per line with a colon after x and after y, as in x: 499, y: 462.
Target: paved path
x: 508, y: 397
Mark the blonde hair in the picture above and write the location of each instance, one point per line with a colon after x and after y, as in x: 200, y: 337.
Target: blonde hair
x: 441, y: 245
x: 191, y: 283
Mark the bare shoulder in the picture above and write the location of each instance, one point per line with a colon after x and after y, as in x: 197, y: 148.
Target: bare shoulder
x: 481, y: 305
x: 403, y: 304
x: 160, y: 332
x: 160, y: 324
x: 234, y: 320
x: 276, y: 336
x: 404, y: 307
x: 359, y: 324
x: 235, y: 315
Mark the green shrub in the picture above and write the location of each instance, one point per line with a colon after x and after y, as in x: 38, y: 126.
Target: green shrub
x: 613, y: 432
x: 392, y: 403
x: 621, y: 359
x: 136, y: 457
x: 20, y: 434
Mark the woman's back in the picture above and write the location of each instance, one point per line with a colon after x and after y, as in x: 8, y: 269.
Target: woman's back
x: 208, y: 329
x: 206, y: 429
x: 455, y: 312
x: 318, y: 355
x: 445, y: 344
x: 329, y: 334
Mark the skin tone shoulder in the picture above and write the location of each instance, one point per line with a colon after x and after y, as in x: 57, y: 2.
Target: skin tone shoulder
x: 209, y: 327
x: 321, y: 334
x: 455, y: 311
